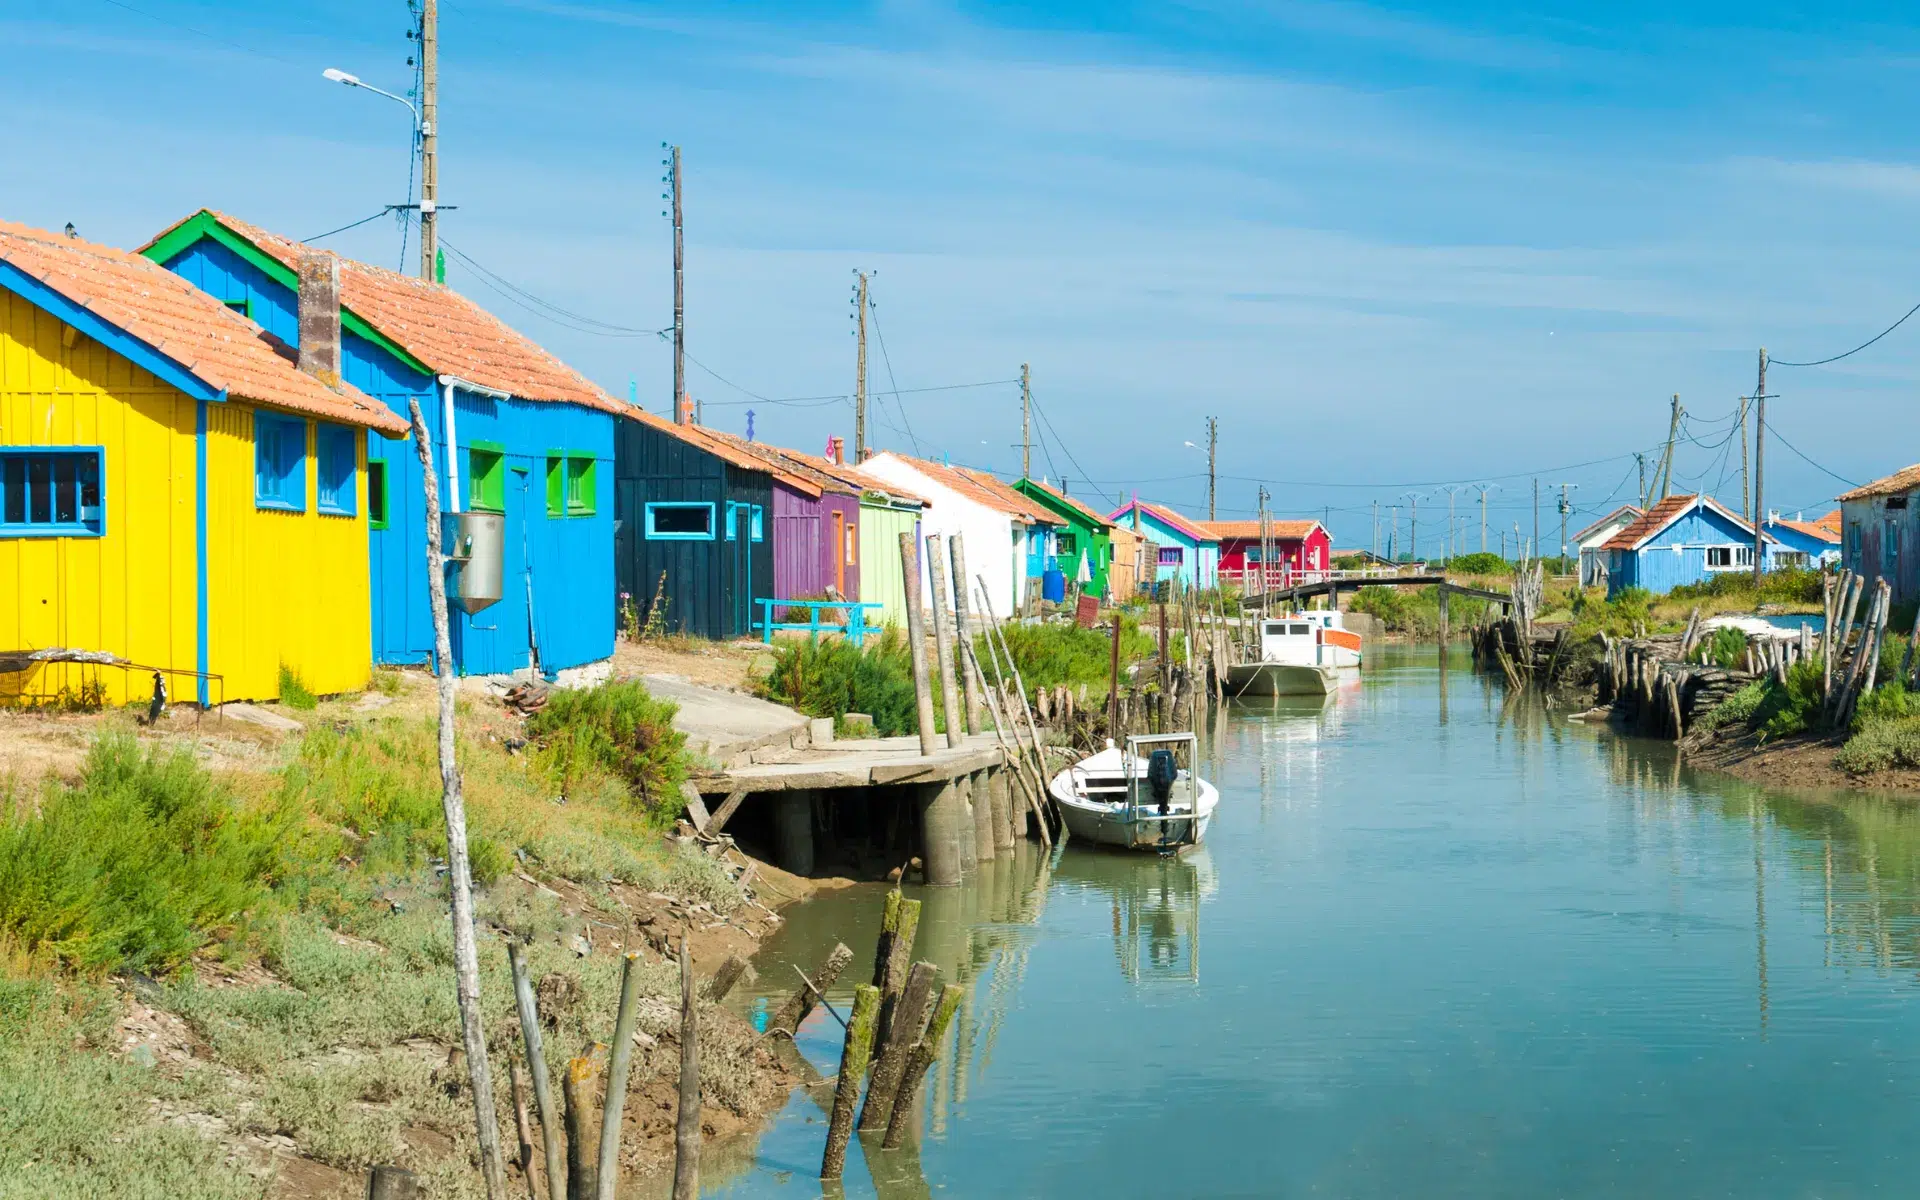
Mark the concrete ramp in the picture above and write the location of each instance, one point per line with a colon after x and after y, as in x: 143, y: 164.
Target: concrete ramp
x: 722, y: 725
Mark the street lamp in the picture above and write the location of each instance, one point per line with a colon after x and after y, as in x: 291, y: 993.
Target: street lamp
x: 336, y: 75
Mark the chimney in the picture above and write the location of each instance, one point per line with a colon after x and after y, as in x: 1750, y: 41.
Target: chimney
x: 686, y: 410
x: 319, y: 303
x: 835, y: 450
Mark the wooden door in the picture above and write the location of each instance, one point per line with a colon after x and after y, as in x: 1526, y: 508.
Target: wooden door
x: 838, y: 548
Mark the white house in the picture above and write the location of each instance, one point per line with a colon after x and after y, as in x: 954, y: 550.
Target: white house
x: 1593, y: 560
x: 998, y: 524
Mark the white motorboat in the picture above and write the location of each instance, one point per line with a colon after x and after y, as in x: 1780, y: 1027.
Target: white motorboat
x: 1301, y: 654
x: 1138, y: 797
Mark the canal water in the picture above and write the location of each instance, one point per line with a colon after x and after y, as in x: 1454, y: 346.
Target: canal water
x: 1436, y: 945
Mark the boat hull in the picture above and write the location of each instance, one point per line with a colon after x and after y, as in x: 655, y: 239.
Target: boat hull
x: 1281, y: 679
x: 1109, y: 829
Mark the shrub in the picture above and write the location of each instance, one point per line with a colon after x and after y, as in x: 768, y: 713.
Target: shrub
x: 1791, y: 707
x: 1889, y: 701
x: 1484, y: 562
x: 1049, y: 655
x: 1727, y: 648
x: 1401, y: 610
x: 1735, y: 709
x: 621, y: 729
x: 1881, y: 745
x: 137, y: 866
x: 1622, y: 615
x: 1786, y: 585
x: 831, y: 678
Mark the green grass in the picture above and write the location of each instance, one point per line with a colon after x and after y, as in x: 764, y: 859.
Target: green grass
x: 1054, y: 654
x: 1401, y: 610
x: 1882, y: 745
x: 1787, y: 585
x: 143, y: 862
x: 293, y: 690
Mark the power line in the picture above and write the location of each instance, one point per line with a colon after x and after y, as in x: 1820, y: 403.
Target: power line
x: 1775, y: 432
x: 888, y: 360
x: 1047, y: 421
x: 595, y: 325
x: 1821, y: 362
x: 355, y: 225
x: 201, y: 33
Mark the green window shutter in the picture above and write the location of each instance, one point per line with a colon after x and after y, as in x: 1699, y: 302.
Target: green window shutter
x: 486, y: 479
x: 580, y: 498
x: 377, y: 493
x: 556, y: 486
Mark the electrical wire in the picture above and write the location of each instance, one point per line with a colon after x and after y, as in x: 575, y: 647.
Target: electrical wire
x: 1775, y: 434
x: 1047, y: 422
x: 1821, y: 362
x: 591, y: 324
x: 888, y: 360
x: 201, y: 33
x: 355, y: 225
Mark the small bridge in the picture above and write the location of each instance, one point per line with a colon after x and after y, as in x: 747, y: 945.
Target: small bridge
x: 1330, y: 588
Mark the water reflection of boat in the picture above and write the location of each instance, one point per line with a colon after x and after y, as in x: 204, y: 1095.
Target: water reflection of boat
x: 1138, y: 797
x: 1156, y: 909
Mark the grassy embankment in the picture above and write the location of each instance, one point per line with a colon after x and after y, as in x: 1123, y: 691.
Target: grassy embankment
x: 830, y: 678
x: 200, y: 969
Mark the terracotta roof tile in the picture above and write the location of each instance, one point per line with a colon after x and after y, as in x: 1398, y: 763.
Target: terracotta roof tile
x: 442, y: 328
x: 979, y: 487
x: 1009, y: 498
x: 1664, y: 514
x: 1830, y: 522
x: 215, y: 344
x: 1061, y: 497
x: 1812, y: 529
x: 1286, y: 531
x: 1900, y: 481
x: 856, y: 478
x: 1168, y: 517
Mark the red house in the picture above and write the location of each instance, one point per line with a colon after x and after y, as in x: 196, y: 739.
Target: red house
x: 1302, y: 551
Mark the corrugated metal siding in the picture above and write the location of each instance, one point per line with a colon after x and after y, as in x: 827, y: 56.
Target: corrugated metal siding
x: 569, y: 559
x: 132, y: 592
x: 881, y: 578
x: 1864, y: 539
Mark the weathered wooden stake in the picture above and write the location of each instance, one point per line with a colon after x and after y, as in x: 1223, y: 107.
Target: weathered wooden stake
x: 893, y: 973
x: 963, y: 629
x: 943, y: 642
x: 795, y: 1011
x: 853, y: 1069
x: 686, y: 1137
x: 466, y: 952
x: 908, y: 1024
x: 522, y: 1126
x: 924, y: 1054
x: 730, y: 973
x: 550, y: 1139
x: 618, y: 1068
x: 917, y: 647
x: 583, y: 1125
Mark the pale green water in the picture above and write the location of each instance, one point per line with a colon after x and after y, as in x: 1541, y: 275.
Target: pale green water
x: 1428, y: 952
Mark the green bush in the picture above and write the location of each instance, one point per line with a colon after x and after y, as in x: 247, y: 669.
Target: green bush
x: 1621, y: 615
x: 1881, y: 744
x: 1054, y: 654
x: 138, y: 865
x: 1889, y: 701
x: 293, y: 690
x: 1735, y: 709
x: 831, y: 678
x: 1792, y: 707
x: 621, y: 729
x: 1399, y: 609
x: 1727, y: 648
x: 1786, y: 585
x: 1484, y: 562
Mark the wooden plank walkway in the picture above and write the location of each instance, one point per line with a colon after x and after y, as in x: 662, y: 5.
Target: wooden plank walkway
x: 870, y: 762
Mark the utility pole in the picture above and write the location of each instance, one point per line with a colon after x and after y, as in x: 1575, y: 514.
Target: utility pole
x: 1413, y: 524
x: 1452, y: 490
x: 1663, y: 474
x: 1759, y: 462
x: 429, y: 136
x: 1536, y: 511
x: 1642, y: 460
x: 679, y: 296
x: 1484, y: 489
x: 1026, y: 423
x: 1376, y: 529
x: 860, y: 369
x: 1266, y: 545
x: 1393, y: 532
x: 1213, y: 445
x: 1565, y: 508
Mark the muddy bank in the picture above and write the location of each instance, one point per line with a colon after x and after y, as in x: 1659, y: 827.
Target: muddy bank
x: 1802, y: 762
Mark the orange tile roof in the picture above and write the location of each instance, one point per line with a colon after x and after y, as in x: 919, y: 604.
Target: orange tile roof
x: 1087, y: 514
x: 1830, y: 522
x: 1286, y: 531
x: 1168, y: 517
x: 1813, y: 529
x: 979, y: 487
x: 441, y: 328
x: 215, y: 344
x: 1663, y: 514
x: 1900, y: 481
x: 856, y: 478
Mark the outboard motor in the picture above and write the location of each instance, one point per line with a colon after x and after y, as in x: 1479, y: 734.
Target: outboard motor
x: 1162, y: 772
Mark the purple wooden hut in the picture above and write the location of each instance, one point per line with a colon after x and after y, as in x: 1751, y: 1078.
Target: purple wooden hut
x: 816, y: 535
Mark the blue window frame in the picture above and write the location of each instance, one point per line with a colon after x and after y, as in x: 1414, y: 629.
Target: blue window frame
x: 739, y: 511
x: 733, y: 520
x: 51, y: 491
x: 279, y: 462
x: 683, y: 521
x: 759, y: 525
x: 337, y: 494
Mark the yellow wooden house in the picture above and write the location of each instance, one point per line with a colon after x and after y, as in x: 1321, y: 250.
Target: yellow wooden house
x: 181, y: 495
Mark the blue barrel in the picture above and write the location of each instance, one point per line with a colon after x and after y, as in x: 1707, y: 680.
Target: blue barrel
x: 1053, y: 586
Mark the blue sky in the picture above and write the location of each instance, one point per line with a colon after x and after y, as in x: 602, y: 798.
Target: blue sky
x: 1389, y: 247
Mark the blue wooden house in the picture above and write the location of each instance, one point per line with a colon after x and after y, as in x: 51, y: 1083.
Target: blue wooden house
x: 1682, y: 539
x: 1185, y: 552
x: 696, y: 545
x: 532, y: 442
x: 1805, y: 543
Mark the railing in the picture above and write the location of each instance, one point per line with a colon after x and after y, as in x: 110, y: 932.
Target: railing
x: 1277, y: 577
x: 856, y: 627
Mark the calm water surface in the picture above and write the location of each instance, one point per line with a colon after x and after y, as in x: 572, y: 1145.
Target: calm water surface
x: 1431, y: 949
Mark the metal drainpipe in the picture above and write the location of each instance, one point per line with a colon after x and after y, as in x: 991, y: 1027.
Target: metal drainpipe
x: 453, y: 455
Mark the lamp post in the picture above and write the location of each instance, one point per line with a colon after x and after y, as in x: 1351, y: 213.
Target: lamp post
x: 429, y: 185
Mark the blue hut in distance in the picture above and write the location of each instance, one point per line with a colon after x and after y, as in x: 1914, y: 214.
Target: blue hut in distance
x: 532, y: 441
x: 1682, y: 539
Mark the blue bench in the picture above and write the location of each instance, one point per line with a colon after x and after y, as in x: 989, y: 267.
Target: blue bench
x: 856, y: 627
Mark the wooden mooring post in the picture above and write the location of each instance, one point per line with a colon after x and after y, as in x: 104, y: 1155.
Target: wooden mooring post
x: 853, y: 1071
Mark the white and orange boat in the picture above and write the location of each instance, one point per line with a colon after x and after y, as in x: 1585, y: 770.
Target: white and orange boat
x: 1300, y: 654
